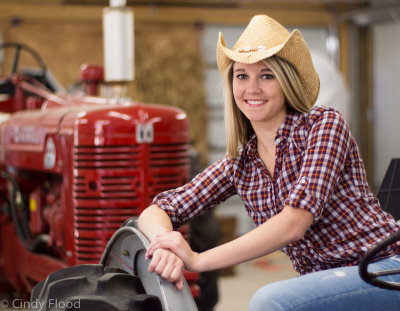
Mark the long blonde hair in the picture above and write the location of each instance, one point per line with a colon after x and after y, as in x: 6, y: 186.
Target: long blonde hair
x: 238, y: 128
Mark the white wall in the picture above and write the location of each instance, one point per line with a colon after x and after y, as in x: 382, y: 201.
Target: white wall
x: 386, y: 67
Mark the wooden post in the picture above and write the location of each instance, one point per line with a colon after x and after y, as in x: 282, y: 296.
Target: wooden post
x: 365, y: 80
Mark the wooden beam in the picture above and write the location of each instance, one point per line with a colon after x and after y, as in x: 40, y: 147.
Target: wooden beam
x: 365, y: 79
x: 49, y: 12
x: 344, y: 51
x: 240, y: 16
x: 177, y: 15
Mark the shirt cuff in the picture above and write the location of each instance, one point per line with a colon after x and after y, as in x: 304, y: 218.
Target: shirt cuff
x: 299, y: 198
x: 167, y: 207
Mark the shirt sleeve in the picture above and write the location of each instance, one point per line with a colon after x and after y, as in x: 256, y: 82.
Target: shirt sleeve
x: 204, y: 191
x: 327, y: 145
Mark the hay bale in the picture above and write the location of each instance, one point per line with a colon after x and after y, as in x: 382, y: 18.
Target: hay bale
x: 169, y: 70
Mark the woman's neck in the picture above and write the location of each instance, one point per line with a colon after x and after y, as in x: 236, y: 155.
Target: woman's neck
x: 266, y: 131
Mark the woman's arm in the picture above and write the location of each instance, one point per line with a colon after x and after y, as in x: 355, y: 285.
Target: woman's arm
x: 204, y: 191
x: 153, y: 220
x: 177, y: 206
x: 286, y: 227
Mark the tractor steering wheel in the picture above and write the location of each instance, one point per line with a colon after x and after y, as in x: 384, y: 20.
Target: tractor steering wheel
x: 374, y: 277
x: 5, y: 83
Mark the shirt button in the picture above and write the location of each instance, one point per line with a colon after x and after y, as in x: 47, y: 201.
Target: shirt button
x: 303, y: 180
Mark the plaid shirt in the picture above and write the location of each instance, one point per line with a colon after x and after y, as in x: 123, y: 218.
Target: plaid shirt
x: 318, y: 168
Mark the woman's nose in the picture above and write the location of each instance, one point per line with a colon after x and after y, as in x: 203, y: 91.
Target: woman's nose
x: 253, y: 86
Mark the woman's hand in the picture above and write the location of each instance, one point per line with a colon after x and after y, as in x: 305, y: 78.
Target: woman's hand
x: 174, y: 241
x: 168, y: 265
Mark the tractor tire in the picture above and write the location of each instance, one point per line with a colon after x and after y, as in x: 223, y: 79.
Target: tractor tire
x: 92, y: 287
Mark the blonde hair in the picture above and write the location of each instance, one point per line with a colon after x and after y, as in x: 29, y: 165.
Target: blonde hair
x: 238, y: 128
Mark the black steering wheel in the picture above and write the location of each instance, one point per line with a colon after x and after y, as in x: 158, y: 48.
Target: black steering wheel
x: 373, y: 277
x: 6, y: 85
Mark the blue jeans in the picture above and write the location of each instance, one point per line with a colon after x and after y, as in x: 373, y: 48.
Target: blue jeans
x: 339, y: 289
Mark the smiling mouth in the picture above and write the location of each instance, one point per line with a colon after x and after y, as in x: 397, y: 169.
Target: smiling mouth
x: 255, y: 103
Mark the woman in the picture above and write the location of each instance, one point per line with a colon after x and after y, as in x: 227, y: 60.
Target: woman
x: 300, y: 175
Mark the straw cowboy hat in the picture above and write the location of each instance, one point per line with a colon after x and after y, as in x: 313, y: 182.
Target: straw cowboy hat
x: 265, y: 37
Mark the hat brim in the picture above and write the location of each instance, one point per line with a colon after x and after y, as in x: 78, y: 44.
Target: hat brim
x: 294, y: 50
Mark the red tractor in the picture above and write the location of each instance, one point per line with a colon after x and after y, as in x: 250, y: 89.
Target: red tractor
x: 73, y: 168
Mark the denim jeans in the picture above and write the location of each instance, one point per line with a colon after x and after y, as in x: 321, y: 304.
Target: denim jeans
x: 339, y: 289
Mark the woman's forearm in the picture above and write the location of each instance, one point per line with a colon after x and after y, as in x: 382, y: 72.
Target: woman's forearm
x: 282, y: 229
x: 288, y: 226
x: 153, y: 220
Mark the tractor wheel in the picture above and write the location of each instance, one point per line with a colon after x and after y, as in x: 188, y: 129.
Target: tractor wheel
x: 92, y: 287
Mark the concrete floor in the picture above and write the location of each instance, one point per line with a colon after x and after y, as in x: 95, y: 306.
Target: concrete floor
x: 237, y: 290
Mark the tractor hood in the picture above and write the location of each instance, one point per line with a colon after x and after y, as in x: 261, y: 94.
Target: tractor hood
x: 89, y: 121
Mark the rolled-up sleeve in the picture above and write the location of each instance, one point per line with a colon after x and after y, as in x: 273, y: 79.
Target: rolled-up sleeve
x: 204, y: 191
x: 327, y: 146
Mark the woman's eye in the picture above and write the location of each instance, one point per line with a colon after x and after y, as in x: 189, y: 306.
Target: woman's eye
x: 241, y: 76
x: 267, y: 76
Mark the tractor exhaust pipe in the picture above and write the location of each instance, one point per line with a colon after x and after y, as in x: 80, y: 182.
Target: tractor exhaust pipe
x: 118, y: 40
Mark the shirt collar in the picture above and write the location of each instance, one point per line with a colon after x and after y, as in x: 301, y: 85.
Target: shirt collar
x: 286, y: 127
x: 291, y: 120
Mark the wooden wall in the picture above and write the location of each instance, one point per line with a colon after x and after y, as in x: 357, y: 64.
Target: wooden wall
x: 64, y: 47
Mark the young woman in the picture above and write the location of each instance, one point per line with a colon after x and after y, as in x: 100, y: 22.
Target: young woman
x: 299, y: 173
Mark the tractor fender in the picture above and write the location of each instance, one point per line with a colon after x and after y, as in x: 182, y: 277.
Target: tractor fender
x: 126, y: 250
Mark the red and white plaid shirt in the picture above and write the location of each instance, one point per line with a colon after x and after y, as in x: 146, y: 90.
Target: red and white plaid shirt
x: 318, y: 168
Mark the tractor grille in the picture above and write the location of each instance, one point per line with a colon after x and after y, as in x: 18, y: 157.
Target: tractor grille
x: 113, y: 184
x: 106, y: 183
x: 167, y: 165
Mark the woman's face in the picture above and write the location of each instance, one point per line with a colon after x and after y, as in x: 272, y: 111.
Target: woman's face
x: 258, y: 93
